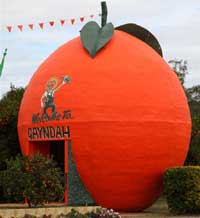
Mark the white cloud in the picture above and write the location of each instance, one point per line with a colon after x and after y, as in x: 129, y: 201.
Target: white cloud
x: 174, y: 23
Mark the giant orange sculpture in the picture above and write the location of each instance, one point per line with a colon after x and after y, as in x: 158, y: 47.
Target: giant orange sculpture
x: 124, y: 111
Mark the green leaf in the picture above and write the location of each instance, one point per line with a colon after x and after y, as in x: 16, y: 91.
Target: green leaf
x: 94, y: 37
x: 143, y: 34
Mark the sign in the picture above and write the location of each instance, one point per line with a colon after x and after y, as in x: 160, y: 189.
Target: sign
x: 38, y: 118
x: 47, y: 103
x: 48, y: 132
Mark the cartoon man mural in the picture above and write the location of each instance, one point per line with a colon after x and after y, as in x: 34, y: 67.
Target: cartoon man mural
x: 52, y: 86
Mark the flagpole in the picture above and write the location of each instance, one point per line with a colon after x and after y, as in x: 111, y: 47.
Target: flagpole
x: 2, y: 61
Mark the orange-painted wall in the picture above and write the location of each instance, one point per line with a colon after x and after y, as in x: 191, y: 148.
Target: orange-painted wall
x: 130, y: 118
x: 42, y: 147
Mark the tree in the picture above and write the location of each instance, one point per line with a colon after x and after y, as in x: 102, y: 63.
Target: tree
x: 9, y: 107
x: 180, y: 68
x: 193, y: 97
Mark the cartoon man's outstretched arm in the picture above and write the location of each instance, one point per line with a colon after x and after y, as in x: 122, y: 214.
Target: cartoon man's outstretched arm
x: 66, y: 80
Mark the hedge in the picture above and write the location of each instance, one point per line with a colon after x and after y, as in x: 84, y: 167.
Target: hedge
x: 182, y: 189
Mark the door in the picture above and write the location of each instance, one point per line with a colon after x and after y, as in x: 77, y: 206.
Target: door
x: 57, y: 151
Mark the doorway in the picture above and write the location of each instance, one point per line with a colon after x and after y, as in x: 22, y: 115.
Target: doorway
x: 57, y: 152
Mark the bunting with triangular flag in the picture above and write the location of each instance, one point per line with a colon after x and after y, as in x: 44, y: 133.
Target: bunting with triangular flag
x: 9, y: 28
x: 72, y: 21
x: 81, y: 19
x: 51, y: 23
x: 31, y: 26
x: 62, y: 22
x: 41, y: 25
x: 20, y: 27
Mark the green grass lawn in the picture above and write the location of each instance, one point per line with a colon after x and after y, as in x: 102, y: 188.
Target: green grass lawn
x: 158, y: 210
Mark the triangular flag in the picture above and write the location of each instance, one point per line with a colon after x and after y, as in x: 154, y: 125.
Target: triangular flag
x: 2, y: 61
x: 81, y: 19
x: 51, y: 23
x: 20, y: 27
x: 41, y: 25
x: 62, y: 22
x: 30, y: 26
x: 72, y: 21
x: 91, y: 16
x: 9, y: 28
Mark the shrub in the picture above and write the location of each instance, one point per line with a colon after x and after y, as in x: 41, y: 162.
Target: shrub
x: 36, y: 178
x: 45, y: 180
x: 182, y: 189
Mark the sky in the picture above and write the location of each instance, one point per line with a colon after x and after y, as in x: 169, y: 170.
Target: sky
x: 176, y: 25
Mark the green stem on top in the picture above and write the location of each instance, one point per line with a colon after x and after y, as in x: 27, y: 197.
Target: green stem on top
x: 94, y: 37
x: 104, y: 13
